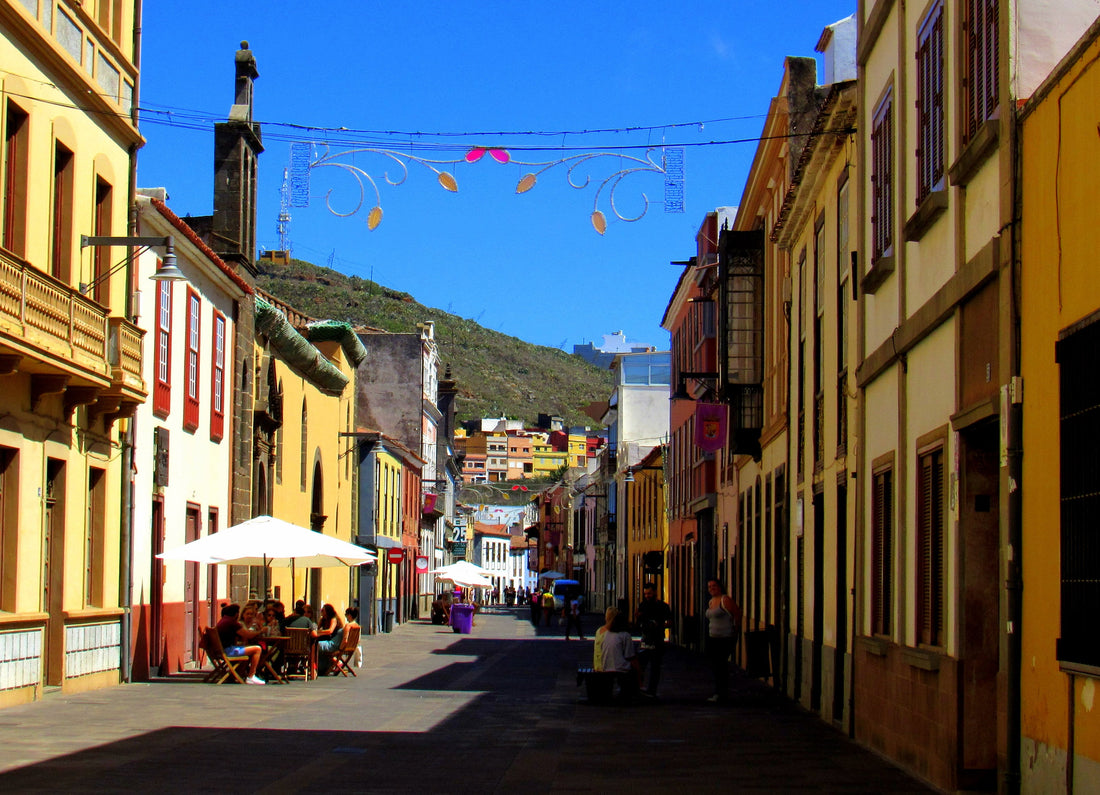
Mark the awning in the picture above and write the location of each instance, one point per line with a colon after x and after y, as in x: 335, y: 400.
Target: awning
x: 380, y: 542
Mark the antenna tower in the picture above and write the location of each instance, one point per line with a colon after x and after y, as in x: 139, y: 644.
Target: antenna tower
x: 283, y: 225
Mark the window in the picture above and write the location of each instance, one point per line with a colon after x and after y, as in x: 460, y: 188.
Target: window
x: 9, y: 528
x: 981, y: 64
x: 95, y: 538
x: 162, y: 389
x: 818, y: 343
x: 1079, y: 432
x: 801, y: 363
x: 930, y: 548
x: 930, y: 104
x: 882, y: 552
x: 191, y: 397
x: 217, y: 379
x: 15, y: 180
x: 101, y: 223
x: 882, y: 180
x: 61, y: 222
x: 842, y: 269
x: 305, y: 438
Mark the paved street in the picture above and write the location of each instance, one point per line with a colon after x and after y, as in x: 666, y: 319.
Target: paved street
x: 494, y: 711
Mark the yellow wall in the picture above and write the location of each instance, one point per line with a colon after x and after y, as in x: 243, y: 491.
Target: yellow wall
x: 326, y: 418
x: 64, y: 104
x: 1059, y: 243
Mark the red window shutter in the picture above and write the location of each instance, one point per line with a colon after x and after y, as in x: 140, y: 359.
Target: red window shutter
x: 191, y: 363
x: 162, y: 386
x: 217, y: 378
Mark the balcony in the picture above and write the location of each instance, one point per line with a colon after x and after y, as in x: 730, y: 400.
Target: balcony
x: 66, y: 342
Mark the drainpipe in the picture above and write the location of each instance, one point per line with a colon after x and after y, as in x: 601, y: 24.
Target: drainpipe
x: 126, y: 531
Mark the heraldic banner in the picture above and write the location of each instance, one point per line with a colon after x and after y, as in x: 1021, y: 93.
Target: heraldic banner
x: 710, y: 426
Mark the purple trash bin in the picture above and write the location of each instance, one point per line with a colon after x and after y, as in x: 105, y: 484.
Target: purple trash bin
x: 462, y: 618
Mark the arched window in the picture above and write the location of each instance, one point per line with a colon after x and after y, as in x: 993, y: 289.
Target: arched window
x: 305, y: 437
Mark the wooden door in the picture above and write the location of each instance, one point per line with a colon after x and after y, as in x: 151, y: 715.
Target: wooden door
x: 191, y: 610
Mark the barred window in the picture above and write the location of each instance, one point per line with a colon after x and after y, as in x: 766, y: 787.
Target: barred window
x: 1079, y: 432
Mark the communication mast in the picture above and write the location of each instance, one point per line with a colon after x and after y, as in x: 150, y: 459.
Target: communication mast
x: 283, y: 226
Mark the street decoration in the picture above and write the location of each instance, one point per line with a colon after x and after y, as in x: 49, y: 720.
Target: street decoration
x: 580, y: 173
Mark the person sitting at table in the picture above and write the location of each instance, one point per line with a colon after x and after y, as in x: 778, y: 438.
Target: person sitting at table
x: 280, y: 616
x: 273, y: 628
x: 234, y: 636
x: 329, y: 633
x: 441, y: 609
x: 298, y: 619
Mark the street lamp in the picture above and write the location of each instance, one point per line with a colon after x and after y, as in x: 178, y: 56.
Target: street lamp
x: 167, y: 271
x: 681, y: 392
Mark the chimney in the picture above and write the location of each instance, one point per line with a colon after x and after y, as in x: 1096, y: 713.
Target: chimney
x: 236, y: 150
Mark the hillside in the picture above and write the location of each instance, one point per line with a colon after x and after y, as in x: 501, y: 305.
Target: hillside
x: 496, y: 374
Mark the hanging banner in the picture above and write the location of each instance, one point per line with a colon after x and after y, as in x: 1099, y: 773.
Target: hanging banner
x: 421, y: 564
x: 710, y: 426
x: 429, y: 503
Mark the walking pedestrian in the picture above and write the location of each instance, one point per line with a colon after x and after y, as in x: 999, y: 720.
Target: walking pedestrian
x: 653, y: 617
x: 572, y: 613
x: 723, y: 626
x: 547, y: 606
x: 536, y: 607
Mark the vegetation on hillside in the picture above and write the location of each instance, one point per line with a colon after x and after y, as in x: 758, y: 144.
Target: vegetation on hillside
x: 496, y: 375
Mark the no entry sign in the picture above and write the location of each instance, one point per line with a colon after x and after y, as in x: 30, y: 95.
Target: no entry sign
x: 395, y: 555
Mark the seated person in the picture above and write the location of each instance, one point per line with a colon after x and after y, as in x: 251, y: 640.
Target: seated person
x: 299, y: 619
x: 441, y: 609
x: 329, y: 633
x: 614, y: 651
x: 234, y: 635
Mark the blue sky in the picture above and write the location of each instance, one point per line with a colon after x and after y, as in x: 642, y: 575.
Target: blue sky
x: 393, y: 73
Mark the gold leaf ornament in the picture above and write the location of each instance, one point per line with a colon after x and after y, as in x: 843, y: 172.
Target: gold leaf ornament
x: 526, y: 183
x: 448, y: 182
x: 599, y: 223
x: 374, y: 218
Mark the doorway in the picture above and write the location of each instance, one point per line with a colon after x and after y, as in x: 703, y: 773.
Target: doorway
x: 191, y: 599
x: 53, y: 571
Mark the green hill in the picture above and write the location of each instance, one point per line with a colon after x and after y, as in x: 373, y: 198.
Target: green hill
x: 496, y: 374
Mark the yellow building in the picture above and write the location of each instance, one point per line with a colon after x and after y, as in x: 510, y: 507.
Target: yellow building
x: 305, y: 459
x: 812, y: 230
x: 1060, y: 335
x: 578, y: 448
x: 70, y: 358
x: 545, y: 459
x: 646, y: 526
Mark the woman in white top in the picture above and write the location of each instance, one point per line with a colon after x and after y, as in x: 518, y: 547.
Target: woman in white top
x: 613, y: 652
x: 723, y: 625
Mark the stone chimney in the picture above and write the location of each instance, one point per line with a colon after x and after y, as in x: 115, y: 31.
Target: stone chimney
x: 236, y: 149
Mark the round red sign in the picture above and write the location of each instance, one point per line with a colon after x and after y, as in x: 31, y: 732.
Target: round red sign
x: 422, y: 564
x: 395, y: 555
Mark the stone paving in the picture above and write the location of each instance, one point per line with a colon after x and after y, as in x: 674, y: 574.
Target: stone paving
x: 497, y: 710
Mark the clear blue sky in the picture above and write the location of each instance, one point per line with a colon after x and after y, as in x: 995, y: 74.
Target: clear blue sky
x: 528, y: 265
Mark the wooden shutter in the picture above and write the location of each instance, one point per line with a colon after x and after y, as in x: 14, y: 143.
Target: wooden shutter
x: 930, y: 549
x: 882, y: 553
x: 162, y: 387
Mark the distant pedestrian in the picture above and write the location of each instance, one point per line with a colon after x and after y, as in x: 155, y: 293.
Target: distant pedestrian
x: 547, y: 606
x: 572, y: 614
x: 535, y: 604
x: 723, y: 626
x: 653, y: 617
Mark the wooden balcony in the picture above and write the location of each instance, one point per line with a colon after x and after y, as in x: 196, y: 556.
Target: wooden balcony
x: 66, y: 342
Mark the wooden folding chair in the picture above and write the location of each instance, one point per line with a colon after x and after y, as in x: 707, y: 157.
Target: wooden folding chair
x: 342, y: 657
x: 298, y: 654
x: 224, y: 664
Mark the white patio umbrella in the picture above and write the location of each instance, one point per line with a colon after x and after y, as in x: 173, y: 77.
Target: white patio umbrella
x: 267, y: 541
x: 461, y: 568
x: 551, y: 575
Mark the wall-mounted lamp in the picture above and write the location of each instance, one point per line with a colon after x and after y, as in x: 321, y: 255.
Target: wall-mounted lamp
x: 681, y: 392
x: 629, y: 477
x: 166, y: 270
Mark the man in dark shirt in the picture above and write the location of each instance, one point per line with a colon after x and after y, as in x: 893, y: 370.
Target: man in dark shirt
x: 298, y: 619
x: 652, y: 618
